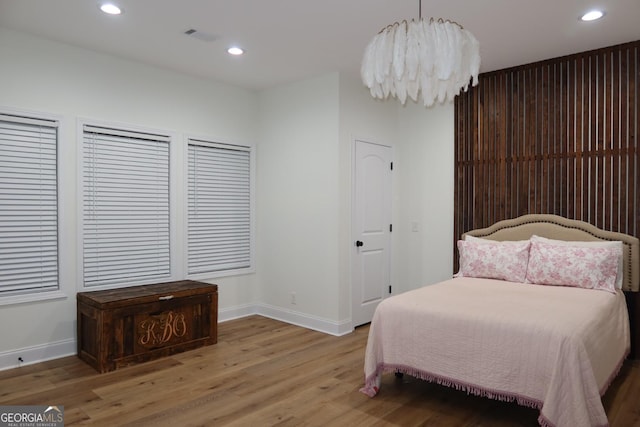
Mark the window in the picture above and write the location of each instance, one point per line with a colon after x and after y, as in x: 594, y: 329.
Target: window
x: 28, y: 205
x: 219, y: 237
x: 126, y: 224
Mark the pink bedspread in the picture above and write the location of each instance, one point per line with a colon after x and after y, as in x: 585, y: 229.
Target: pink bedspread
x: 549, y: 347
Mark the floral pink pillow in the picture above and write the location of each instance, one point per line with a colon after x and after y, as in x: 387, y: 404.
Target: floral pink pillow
x: 592, y: 244
x: 581, y: 267
x: 494, y: 260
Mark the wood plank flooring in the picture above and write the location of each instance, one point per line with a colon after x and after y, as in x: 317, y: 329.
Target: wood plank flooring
x: 267, y: 373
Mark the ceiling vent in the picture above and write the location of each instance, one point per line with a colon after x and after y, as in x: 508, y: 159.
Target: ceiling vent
x: 205, y: 37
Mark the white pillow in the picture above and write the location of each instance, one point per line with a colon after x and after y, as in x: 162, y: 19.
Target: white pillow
x: 603, y: 244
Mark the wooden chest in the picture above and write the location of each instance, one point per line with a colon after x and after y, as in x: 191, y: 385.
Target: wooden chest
x: 120, y: 327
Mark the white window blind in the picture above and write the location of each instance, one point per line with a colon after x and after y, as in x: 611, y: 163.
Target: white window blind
x: 219, y: 218
x: 28, y: 205
x: 125, y: 207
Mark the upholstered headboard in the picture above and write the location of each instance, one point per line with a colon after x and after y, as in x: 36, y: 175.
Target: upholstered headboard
x: 560, y: 228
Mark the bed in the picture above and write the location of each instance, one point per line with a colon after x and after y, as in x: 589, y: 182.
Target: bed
x: 545, y: 326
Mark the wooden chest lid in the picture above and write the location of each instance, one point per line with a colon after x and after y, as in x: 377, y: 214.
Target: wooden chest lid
x: 120, y: 297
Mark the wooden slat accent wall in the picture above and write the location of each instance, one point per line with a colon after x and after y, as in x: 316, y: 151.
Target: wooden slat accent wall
x: 558, y: 136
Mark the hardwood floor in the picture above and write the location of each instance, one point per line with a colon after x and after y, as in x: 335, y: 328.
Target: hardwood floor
x: 267, y: 373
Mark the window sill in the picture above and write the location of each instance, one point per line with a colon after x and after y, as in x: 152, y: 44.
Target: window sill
x: 35, y: 297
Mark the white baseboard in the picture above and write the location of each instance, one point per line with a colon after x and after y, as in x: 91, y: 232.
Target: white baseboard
x: 36, y: 354
x: 236, y: 312
x: 289, y: 316
x: 55, y: 350
x: 305, y: 320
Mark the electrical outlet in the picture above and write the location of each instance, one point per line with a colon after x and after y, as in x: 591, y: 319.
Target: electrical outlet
x: 293, y: 298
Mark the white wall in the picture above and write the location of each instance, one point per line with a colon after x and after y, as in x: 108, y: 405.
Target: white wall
x: 297, y: 197
x: 304, y: 190
x: 424, y: 190
x: 42, y: 76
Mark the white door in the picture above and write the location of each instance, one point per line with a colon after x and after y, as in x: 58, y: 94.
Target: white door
x: 371, y: 279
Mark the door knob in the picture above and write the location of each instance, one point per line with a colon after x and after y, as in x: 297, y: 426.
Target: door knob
x: 359, y: 243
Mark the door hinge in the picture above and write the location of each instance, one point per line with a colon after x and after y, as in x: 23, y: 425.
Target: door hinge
x: 390, y: 228
x: 391, y: 165
x: 389, y: 288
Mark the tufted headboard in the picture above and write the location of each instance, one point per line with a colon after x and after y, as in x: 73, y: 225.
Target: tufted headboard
x: 560, y: 228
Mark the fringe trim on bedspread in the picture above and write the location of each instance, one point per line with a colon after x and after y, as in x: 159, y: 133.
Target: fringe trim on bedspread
x: 544, y: 422
x: 371, y: 387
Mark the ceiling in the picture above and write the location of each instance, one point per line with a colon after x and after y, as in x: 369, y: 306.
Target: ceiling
x: 291, y: 40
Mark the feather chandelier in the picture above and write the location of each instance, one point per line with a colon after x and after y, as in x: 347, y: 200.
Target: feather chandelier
x: 434, y: 57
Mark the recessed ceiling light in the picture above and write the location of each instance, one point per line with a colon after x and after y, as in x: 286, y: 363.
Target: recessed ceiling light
x: 592, y: 15
x: 235, y: 50
x: 110, y: 8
